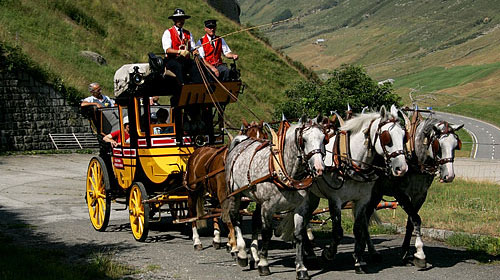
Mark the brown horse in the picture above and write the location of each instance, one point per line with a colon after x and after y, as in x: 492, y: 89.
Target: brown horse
x: 205, y: 175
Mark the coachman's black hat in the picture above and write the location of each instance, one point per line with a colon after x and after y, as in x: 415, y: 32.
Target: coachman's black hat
x: 211, y: 23
x: 179, y: 13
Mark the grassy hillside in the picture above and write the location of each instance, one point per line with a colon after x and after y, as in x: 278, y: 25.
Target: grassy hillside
x: 447, y: 50
x: 53, y: 33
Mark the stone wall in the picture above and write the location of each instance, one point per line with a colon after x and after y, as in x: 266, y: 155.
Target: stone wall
x: 30, y: 110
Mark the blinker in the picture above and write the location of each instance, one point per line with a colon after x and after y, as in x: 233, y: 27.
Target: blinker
x: 385, y: 138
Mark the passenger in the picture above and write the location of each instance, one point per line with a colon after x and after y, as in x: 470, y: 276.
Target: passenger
x: 115, y: 137
x: 177, y: 43
x: 193, y: 123
x: 212, y: 49
x: 154, y: 100
x: 97, y: 99
x: 162, y: 116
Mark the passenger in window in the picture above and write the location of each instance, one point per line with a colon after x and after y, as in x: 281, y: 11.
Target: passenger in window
x: 162, y: 117
x: 154, y: 100
x: 97, y: 99
x: 115, y: 137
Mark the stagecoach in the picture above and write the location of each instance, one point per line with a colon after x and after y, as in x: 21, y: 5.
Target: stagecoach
x: 145, y: 172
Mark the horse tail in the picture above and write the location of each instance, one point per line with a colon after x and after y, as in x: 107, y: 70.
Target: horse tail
x: 375, y: 219
x: 286, y: 228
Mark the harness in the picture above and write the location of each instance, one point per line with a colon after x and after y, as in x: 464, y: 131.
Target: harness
x: 277, y: 171
x: 431, y: 140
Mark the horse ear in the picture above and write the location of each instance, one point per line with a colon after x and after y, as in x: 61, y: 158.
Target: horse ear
x: 437, y: 129
x: 394, y: 111
x: 383, y: 112
x: 245, y: 123
x: 303, y: 119
x: 456, y: 127
x: 283, y: 118
x: 405, y: 118
x: 319, y: 119
x: 364, y: 110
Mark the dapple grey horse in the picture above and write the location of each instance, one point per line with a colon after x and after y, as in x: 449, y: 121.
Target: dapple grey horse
x: 247, y: 162
x: 435, y: 145
x: 371, y: 135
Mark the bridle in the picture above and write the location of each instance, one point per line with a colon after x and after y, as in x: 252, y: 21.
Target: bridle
x: 299, y: 143
x: 386, y: 140
x: 436, y: 147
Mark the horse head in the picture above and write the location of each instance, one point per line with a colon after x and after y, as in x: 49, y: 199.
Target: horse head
x: 253, y: 129
x: 442, y: 145
x: 388, y: 139
x: 310, y: 141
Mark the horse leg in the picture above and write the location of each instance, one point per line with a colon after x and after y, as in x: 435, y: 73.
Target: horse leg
x: 192, y: 201
x: 414, y: 222
x: 337, y: 232
x: 267, y: 233
x: 360, y: 231
x: 234, y: 213
x: 216, y: 241
x: 256, y: 227
x: 301, y: 217
x: 376, y: 197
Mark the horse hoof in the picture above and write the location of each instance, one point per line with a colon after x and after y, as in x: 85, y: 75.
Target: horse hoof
x: 264, y: 270
x: 420, y: 263
x: 216, y: 245
x: 303, y: 275
x: 252, y: 264
x: 198, y: 247
x: 359, y: 270
x: 242, y: 262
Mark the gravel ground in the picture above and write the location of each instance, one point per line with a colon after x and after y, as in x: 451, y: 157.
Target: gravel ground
x: 46, y: 192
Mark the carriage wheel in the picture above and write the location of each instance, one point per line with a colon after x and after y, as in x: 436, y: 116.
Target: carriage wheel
x: 97, y: 194
x: 139, y: 212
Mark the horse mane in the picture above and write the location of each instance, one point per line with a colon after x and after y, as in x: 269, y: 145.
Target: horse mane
x: 421, y: 135
x: 357, y: 123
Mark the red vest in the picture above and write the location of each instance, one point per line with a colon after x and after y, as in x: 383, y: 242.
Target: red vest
x: 212, y: 54
x: 176, y: 40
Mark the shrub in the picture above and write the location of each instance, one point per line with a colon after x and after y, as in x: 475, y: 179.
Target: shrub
x: 348, y: 85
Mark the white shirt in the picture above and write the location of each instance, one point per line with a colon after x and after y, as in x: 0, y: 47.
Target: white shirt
x: 225, y: 47
x: 105, y: 102
x: 166, y: 40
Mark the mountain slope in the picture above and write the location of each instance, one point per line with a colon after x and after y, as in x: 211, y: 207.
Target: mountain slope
x: 447, y: 50
x: 53, y: 33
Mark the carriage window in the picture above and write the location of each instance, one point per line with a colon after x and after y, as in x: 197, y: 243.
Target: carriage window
x: 141, y: 111
x: 124, y: 126
x: 161, y: 120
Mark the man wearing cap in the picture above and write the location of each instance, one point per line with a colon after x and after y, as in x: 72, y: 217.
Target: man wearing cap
x: 97, y: 99
x: 212, y: 48
x: 177, y: 43
x: 115, y: 137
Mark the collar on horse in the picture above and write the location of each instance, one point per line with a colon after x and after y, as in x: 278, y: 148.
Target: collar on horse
x: 277, y: 171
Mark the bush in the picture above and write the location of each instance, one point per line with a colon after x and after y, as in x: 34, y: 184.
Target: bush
x: 286, y: 14
x: 348, y: 85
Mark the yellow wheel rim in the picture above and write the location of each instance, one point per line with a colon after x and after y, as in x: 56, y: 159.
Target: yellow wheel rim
x: 136, y: 212
x: 96, y: 194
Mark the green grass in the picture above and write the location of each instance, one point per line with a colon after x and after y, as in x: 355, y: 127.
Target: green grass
x: 451, y: 47
x: 437, y: 78
x: 53, y: 33
x: 490, y: 245
x: 463, y: 206
x: 466, y: 139
x: 20, y: 262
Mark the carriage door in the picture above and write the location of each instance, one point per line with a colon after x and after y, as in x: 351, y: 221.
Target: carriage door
x: 124, y: 155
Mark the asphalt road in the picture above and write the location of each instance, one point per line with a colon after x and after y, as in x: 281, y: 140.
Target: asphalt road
x: 485, y: 135
x: 46, y: 192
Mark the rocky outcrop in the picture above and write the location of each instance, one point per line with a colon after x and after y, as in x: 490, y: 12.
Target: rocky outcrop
x: 229, y: 8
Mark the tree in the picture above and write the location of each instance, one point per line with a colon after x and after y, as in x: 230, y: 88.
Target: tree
x: 348, y: 85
